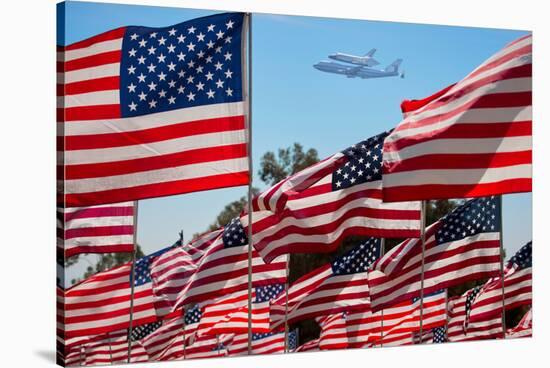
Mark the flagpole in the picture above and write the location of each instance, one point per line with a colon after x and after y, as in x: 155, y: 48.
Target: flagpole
x: 286, y: 302
x: 248, y: 88
x: 502, y: 270
x: 382, y: 252
x: 423, y: 241
x: 183, y: 308
x: 110, y: 347
x: 132, y: 282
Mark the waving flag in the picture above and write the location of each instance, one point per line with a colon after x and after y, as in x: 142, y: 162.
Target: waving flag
x: 313, y: 210
x: 219, y: 267
x: 524, y: 328
x: 96, y: 229
x: 151, y: 112
x: 101, y: 303
x: 472, y: 139
x: 263, y: 343
x: 336, y: 287
x: 517, y: 288
x: 311, y: 345
x: 333, y: 334
x: 462, y: 246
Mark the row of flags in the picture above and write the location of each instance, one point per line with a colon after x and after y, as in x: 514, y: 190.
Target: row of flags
x: 150, y: 112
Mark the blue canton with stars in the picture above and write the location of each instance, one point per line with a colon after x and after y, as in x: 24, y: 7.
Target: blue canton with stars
x: 142, y: 331
x: 363, y: 164
x: 417, y: 298
x: 470, y: 298
x: 480, y: 215
x: 268, y: 292
x: 292, y: 338
x: 523, y: 257
x: 358, y: 259
x: 193, y: 63
x: 143, y: 266
x: 439, y: 335
x: 193, y: 315
x: 234, y: 234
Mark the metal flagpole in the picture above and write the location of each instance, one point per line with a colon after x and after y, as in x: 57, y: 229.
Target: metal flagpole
x: 423, y: 241
x: 132, y: 282
x: 248, y: 89
x: 382, y: 252
x: 110, y: 347
x: 184, y: 337
x: 286, y: 302
x: 502, y: 270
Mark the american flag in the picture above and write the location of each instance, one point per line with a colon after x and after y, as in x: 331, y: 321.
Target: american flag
x: 220, y: 267
x: 311, y: 345
x: 333, y: 332
x: 313, y: 210
x: 263, y: 343
x: 524, y: 328
x: 517, y: 287
x: 396, y: 323
x: 110, y: 348
x: 101, y: 303
x: 490, y: 328
x: 471, y: 140
x: 157, y: 337
x: 150, y: 112
x: 336, y: 287
x: 96, y: 229
x: 462, y: 246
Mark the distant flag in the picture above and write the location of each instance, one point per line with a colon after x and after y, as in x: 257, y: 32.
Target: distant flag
x: 470, y: 297
x: 464, y: 245
x: 339, y: 286
x: 219, y: 267
x: 311, y: 345
x: 150, y: 112
x: 524, y: 328
x: 101, y: 303
x: 439, y: 335
x: 314, y: 209
x: 333, y: 334
x: 263, y: 343
x: 517, y: 287
x: 96, y: 229
x: 157, y: 337
x: 472, y: 139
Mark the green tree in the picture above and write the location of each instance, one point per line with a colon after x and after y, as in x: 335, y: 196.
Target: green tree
x: 288, y: 161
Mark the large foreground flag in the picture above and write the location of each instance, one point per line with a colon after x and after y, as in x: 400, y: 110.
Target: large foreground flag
x: 150, y: 112
x: 462, y: 246
x: 517, y: 288
x: 313, y: 210
x: 96, y: 229
x: 339, y: 286
x: 473, y: 139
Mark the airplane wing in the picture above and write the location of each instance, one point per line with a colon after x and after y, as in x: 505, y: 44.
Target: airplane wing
x: 370, y: 53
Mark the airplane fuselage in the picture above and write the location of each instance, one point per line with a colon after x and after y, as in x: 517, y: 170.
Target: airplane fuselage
x: 353, y: 71
x: 353, y: 59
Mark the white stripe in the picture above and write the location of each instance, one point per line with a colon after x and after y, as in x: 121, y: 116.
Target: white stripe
x: 110, y: 97
x: 91, y: 222
x: 96, y: 48
x: 99, y: 241
x: 95, y: 72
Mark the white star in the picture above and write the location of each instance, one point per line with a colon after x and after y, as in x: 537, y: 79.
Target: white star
x: 200, y: 86
x: 181, y: 56
x: 218, y: 65
x: 172, y: 32
x: 200, y: 54
x: 190, y: 79
x: 228, y: 73
x: 162, y: 41
x: 141, y: 78
x: 218, y: 49
x: 191, y: 29
x: 152, y: 86
x: 338, y: 183
x: 211, y: 28
x: 153, y: 35
x: 210, y: 44
x: 132, y: 52
x: 162, y: 93
x: 172, y: 83
x: 131, y: 88
x: 181, y: 74
x: 161, y: 58
x: 209, y: 76
x: 171, y: 100
x: 141, y: 60
x: 210, y: 93
x: 208, y: 59
x: 151, y: 68
x: 132, y: 106
x: 191, y: 96
x: 151, y: 50
x: 181, y: 38
x: 142, y: 96
x: 171, y: 48
x: 152, y: 104
x: 191, y: 46
x: 220, y: 34
x: 219, y: 83
x: 229, y: 92
x: 229, y: 24
x: 162, y: 76
x: 131, y: 70
x: 171, y: 67
x: 228, y: 39
x: 227, y: 55
x: 134, y: 37
x: 200, y: 37
x: 142, y: 43
x: 191, y: 64
x: 199, y: 69
x: 181, y: 89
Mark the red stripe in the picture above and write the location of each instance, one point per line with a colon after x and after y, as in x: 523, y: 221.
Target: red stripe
x: 157, y: 189
x: 94, y: 212
x: 178, y: 159
x: 408, y: 106
x: 105, y: 36
x: 109, y: 57
x: 99, y: 231
x: 97, y: 112
x: 118, y: 248
x: 172, y: 131
x: 90, y: 85
x: 444, y: 191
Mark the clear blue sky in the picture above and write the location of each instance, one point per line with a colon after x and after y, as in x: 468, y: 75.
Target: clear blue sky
x: 293, y: 102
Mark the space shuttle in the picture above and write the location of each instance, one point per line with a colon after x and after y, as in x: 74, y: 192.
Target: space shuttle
x: 365, y: 60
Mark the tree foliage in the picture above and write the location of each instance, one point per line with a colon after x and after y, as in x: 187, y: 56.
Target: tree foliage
x: 288, y: 161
